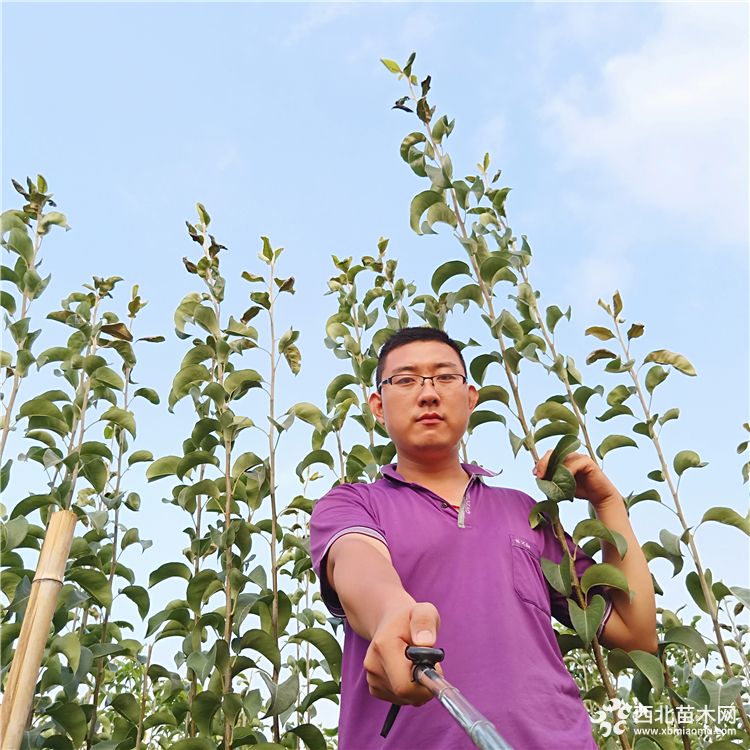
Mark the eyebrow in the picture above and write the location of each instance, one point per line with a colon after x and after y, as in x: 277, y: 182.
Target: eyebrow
x: 404, y: 368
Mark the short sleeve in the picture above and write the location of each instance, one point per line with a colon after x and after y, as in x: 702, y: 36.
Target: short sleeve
x: 344, y: 510
x: 559, y: 602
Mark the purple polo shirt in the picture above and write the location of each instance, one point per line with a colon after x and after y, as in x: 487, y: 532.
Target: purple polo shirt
x: 479, y: 565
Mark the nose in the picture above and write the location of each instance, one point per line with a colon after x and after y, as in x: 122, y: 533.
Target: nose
x: 428, y: 394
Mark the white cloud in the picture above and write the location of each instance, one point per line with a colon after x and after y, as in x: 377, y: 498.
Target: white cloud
x: 671, y: 127
x: 317, y: 16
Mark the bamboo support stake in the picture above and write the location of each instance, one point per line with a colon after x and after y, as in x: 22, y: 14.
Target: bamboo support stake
x: 24, y: 669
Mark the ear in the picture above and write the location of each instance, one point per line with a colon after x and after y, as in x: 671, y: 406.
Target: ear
x: 473, y: 397
x: 376, y: 406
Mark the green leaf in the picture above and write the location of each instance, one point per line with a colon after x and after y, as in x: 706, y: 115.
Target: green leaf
x: 309, y: 413
x: 242, y: 380
x: 52, y: 218
x: 202, y: 664
x: 203, y: 708
x: 635, y: 331
x: 420, y: 203
x: 692, y: 582
x: 262, y: 642
x: 565, y: 446
x: 440, y: 213
x: 558, y: 576
x: 561, y: 486
x: 314, y: 457
x: 293, y: 358
x: 244, y: 462
x: 510, y: 326
x: 583, y: 393
x: 482, y: 416
x: 70, y: 645
x: 5, y: 474
x: 742, y: 594
x: 107, y: 376
x: 200, y: 587
x: 687, y: 460
x: 665, y: 357
x: 197, y: 743
x: 553, y: 316
x: 687, y: 636
x: 72, y: 719
x: 13, y: 533
x: 162, y: 467
x: 603, y: 574
x: 411, y: 140
x: 310, y: 735
x: 19, y: 241
x: 148, y: 393
x: 205, y: 317
x: 479, y: 365
x: 598, y: 354
x: 647, y: 664
x: 493, y: 393
x: 127, y: 706
x: 729, y: 517
x: 140, y: 457
x: 594, y: 528
x: 193, y: 459
x: 393, y: 66
x: 30, y: 504
x: 39, y: 407
x: 447, y: 271
x: 185, y: 379
x: 554, y: 411
x: 586, y: 621
x: 654, y: 376
x: 120, y: 417
x: 95, y: 472
x: 283, y: 696
x: 668, y: 415
x: 139, y: 596
x: 169, y: 570
x: 326, y: 644
x: 603, y: 334
x: 8, y: 302
x: 92, y: 581
x: 611, y: 442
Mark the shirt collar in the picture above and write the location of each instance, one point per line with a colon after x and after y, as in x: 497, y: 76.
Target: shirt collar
x: 389, y: 471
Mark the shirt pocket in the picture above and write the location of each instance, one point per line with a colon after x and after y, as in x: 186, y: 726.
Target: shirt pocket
x: 528, y: 579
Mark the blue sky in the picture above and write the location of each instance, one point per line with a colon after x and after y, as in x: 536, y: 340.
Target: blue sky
x: 622, y: 129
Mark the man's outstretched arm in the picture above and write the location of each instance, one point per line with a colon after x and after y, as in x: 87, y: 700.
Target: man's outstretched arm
x: 379, y: 609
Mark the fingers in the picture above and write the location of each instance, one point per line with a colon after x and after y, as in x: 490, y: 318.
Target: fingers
x: 423, y: 624
x: 388, y: 669
x: 540, y: 469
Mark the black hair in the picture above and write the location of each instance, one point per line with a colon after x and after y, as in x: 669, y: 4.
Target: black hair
x: 409, y: 335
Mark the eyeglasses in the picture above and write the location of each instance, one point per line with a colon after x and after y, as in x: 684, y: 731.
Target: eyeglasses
x: 443, y: 382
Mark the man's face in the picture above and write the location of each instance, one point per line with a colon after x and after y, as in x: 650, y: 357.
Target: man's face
x: 424, y: 420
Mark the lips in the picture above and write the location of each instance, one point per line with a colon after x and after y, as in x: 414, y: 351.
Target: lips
x: 430, y: 418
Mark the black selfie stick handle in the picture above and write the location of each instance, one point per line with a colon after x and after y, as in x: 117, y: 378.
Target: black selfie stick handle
x: 423, y: 658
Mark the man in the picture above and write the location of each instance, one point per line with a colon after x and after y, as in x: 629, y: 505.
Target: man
x: 430, y: 555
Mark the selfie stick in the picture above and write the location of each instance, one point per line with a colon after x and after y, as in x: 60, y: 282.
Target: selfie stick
x: 480, y: 730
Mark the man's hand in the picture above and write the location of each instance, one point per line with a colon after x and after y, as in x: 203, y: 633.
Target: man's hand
x: 592, y: 483
x: 389, y: 670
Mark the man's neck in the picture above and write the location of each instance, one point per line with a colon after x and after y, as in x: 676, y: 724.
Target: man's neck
x: 444, y: 471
